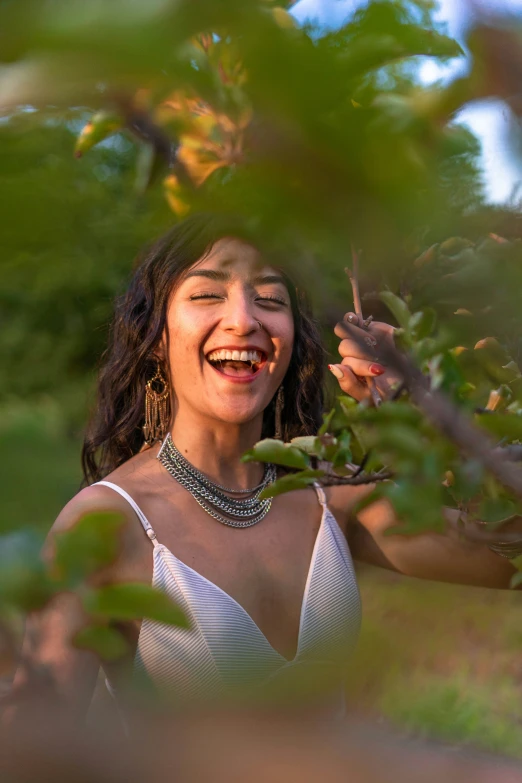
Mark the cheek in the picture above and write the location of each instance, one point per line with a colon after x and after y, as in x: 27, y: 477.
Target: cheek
x: 185, y: 331
x: 284, y: 341
x: 185, y: 336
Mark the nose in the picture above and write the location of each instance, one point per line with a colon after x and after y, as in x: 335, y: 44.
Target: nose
x: 238, y: 317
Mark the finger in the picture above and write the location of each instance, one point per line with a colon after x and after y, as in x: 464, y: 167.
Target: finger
x: 366, y: 349
x: 343, y: 328
x: 346, y: 329
x: 380, y: 329
x: 363, y: 368
x: 349, y: 383
x: 353, y: 319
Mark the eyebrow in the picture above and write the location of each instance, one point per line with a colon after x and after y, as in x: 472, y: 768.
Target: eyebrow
x: 223, y: 277
x: 211, y: 274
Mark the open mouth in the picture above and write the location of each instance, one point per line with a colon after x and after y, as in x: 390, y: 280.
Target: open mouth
x: 237, y: 364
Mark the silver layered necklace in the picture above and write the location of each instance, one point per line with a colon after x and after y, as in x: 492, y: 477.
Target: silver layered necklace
x: 231, y: 511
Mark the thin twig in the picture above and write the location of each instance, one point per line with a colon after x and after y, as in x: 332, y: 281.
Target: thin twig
x: 353, y: 276
x: 362, y: 465
x: 357, y: 480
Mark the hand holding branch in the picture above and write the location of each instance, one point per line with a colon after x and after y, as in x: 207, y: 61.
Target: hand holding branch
x: 362, y: 373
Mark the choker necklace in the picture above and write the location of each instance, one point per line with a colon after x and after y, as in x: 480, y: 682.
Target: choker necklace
x: 234, y: 512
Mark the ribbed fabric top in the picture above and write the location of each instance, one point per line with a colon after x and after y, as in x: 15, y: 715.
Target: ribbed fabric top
x: 224, y: 649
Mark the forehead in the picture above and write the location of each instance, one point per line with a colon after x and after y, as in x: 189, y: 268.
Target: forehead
x: 234, y: 256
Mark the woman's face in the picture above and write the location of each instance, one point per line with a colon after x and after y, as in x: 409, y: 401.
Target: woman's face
x: 231, y: 333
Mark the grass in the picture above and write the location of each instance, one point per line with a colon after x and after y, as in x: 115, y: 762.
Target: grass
x: 40, y: 466
x: 441, y: 661
x: 434, y: 660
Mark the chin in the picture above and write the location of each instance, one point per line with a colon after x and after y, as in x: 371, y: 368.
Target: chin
x: 236, y: 414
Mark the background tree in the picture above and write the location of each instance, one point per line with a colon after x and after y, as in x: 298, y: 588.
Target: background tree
x: 323, y: 142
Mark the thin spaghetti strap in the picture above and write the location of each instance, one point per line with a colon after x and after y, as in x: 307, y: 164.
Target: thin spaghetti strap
x: 320, y: 493
x: 139, y: 513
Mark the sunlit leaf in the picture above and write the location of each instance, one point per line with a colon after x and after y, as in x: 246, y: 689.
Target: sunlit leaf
x: 100, y: 126
x: 176, y: 195
x: 292, y: 482
x: 279, y: 453
x: 306, y: 443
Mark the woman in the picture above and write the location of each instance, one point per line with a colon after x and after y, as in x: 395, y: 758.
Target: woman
x: 212, y: 349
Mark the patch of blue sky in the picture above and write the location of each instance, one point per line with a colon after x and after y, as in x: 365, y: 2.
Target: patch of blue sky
x: 491, y: 121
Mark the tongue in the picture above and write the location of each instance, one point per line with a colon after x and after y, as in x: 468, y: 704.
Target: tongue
x: 237, y: 369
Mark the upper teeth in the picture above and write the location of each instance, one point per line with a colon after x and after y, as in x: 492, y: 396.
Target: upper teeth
x: 234, y: 356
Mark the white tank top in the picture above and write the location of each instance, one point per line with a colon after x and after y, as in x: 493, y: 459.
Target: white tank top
x: 224, y: 650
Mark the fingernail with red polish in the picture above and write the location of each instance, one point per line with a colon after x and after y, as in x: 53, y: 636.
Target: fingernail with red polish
x: 335, y: 370
x: 377, y: 369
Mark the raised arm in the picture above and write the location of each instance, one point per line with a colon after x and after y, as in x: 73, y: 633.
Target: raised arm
x: 447, y: 557
x: 442, y: 557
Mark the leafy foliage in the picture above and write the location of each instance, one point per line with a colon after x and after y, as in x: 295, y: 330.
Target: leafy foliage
x: 322, y: 140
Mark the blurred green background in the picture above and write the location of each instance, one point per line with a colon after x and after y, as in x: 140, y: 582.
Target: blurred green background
x: 435, y: 659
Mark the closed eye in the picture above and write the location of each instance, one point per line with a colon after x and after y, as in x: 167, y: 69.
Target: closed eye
x: 275, y: 299
x: 268, y: 298
x: 204, y: 296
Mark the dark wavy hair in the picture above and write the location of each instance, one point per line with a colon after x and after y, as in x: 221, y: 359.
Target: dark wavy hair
x: 114, y: 433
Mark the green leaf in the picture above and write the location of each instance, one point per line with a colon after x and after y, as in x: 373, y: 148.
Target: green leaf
x: 134, y: 600
x: 397, y: 307
x: 422, y: 323
x: 100, y: 126
x: 291, y: 482
x: 401, y: 439
x: 24, y: 581
x: 327, y: 421
x: 270, y: 450
x: 418, y: 506
x: 455, y: 245
x: 496, y: 509
x: 307, y: 443
x: 495, y: 361
x: 343, y: 453
x: 502, y: 425
x: 468, y: 477
x: 108, y: 643
x: 516, y: 579
x: 517, y: 562
x: 88, y: 546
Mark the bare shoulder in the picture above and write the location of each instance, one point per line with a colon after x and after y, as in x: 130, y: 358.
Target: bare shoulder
x: 100, y: 498
x: 88, y: 501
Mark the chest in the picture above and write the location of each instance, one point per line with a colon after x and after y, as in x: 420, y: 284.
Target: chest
x: 263, y: 568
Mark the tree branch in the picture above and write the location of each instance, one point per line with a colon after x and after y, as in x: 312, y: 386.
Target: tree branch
x: 353, y: 276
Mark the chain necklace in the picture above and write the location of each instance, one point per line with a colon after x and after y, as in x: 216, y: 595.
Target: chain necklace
x: 234, y: 512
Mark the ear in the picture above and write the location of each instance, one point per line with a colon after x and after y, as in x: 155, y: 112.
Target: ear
x: 161, y: 350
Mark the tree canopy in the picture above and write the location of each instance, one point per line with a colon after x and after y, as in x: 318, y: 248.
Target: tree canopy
x: 324, y: 141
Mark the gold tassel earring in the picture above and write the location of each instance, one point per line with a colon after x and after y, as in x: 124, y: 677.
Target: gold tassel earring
x: 280, y: 404
x: 157, y: 407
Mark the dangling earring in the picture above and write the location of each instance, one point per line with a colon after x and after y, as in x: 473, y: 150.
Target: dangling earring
x: 157, y: 408
x: 280, y: 404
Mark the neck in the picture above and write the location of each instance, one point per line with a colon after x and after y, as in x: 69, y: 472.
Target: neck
x: 217, y: 447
